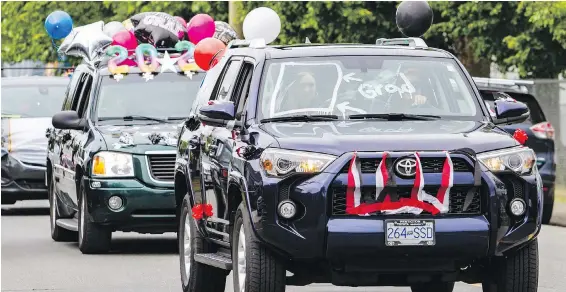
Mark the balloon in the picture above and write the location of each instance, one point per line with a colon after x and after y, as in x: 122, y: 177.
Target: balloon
x: 262, y: 23
x: 183, y: 60
x: 111, y: 28
x: 206, y: 50
x: 158, y: 28
x: 201, y: 26
x: 224, y: 32
x: 125, y: 39
x: 216, y: 58
x: 58, y: 24
x: 414, y: 18
x: 128, y: 25
x: 151, y: 51
x: 88, y: 41
x: 113, y: 66
x: 181, y: 20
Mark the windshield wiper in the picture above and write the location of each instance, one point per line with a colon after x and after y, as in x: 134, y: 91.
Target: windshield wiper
x: 137, y: 117
x: 394, y: 117
x: 302, y: 118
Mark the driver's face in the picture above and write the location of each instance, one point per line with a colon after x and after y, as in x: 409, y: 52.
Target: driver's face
x: 307, y: 86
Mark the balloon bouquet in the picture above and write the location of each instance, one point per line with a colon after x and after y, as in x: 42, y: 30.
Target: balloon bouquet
x: 200, y: 43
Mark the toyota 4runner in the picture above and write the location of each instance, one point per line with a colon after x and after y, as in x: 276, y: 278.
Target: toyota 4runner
x: 356, y: 165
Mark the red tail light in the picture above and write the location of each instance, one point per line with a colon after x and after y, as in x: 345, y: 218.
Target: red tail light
x: 543, y: 130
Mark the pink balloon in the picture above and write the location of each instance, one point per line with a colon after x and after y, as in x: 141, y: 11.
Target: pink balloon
x: 129, y: 62
x: 201, y: 26
x: 126, y: 39
x: 181, y: 20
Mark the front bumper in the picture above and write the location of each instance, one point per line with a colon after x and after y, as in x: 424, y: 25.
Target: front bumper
x: 22, y: 181
x: 350, y: 242
x: 146, y: 209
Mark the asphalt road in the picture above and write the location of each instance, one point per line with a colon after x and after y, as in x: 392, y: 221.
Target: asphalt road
x: 31, y: 261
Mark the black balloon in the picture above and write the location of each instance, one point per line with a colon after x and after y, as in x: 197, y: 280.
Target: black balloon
x: 158, y: 28
x: 224, y: 32
x: 414, y: 18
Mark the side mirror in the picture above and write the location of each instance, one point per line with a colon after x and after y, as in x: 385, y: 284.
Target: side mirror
x: 217, y: 113
x: 510, y: 111
x: 68, y: 120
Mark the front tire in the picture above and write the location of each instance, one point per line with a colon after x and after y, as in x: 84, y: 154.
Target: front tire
x: 93, y: 238
x: 517, y: 272
x: 255, y: 269
x: 58, y: 233
x: 196, y: 277
x: 433, y: 287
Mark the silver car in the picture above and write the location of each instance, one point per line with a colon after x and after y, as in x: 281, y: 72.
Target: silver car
x: 28, y: 103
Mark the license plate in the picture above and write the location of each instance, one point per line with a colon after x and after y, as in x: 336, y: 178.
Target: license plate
x: 409, y: 232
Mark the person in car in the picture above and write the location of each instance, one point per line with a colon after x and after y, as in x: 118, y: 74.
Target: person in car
x: 300, y: 93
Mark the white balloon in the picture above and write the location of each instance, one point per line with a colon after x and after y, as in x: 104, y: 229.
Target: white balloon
x: 113, y: 27
x: 262, y: 23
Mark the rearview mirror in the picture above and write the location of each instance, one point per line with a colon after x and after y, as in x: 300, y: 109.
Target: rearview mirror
x: 68, y: 120
x: 217, y: 113
x: 510, y: 111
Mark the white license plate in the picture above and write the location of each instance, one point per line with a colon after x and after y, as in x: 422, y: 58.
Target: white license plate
x: 409, y: 232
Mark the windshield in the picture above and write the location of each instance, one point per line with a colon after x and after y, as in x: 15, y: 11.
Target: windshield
x: 32, y: 100
x: 166, y: 96
x: 350, y: 85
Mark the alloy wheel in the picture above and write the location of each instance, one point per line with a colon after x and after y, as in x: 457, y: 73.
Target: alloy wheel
x: 187, y: 248
x: 241, y: 254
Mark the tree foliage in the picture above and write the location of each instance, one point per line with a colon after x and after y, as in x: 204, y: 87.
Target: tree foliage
x: 527, y: 36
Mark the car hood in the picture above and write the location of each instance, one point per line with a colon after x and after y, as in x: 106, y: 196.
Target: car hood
x: 338, y: 137
x: 25, y: 139
x: 138, y: 139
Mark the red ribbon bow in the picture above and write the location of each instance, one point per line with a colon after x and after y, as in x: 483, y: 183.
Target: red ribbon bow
x: 200, y: 210
x: 520, y: 136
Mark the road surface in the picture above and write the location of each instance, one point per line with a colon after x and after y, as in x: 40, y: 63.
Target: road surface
x: 31, y: 261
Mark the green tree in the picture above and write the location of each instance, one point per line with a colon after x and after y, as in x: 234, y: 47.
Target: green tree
x: 23, y: 33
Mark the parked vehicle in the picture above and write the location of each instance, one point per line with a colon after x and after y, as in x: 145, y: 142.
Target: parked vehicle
x: 111, y: 154
x: 28, y: 103
x: 539, y: 130
x: 356, y: 165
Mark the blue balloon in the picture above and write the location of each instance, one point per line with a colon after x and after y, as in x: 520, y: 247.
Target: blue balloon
x: 58, y: 24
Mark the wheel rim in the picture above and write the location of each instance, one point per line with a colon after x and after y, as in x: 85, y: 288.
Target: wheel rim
x: 242, y: 260
x: 82, y: 217
x: 187, y: 246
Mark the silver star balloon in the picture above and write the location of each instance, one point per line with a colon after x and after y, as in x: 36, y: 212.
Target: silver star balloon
x: 88, y: 41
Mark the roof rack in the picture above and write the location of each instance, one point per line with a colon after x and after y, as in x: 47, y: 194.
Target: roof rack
x: 520, y: 85
x: 254, y: 44
x: 411, y: 42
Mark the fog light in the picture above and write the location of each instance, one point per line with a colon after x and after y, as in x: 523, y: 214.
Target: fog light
x: 287, y: 209
x: 115, y: 203
x: 517, y: 207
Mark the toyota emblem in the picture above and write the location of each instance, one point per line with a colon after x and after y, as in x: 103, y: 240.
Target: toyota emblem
x: 406, y: 167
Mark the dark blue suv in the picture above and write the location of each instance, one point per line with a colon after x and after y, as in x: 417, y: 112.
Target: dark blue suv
x: 539, y: 130
x: 356, y: 165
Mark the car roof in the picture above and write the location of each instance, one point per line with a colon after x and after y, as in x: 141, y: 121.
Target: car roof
x: 505, y: 85
x: 35, y: 80
x: 322, y: 50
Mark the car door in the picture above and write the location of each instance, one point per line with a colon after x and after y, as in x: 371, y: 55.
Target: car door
x: 69, y: 141
x: 216, y: 153
x: 64, y: 176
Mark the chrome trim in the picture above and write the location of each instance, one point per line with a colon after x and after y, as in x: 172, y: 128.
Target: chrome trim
x: 149, y: 169
x: 154, y: 152
x: 63, y: 168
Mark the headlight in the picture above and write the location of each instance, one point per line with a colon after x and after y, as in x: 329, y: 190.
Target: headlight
x: 112, y: 164
x: 279, y: 162
x: 520, y: 160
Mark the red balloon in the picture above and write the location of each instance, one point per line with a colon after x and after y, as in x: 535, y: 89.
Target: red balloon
x: 206, y: 51
x: 126, y: 39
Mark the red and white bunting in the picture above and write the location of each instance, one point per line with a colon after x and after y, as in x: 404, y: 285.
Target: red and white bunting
x: 353, y: 190
x: 416, y: 193
x: 442, y: 199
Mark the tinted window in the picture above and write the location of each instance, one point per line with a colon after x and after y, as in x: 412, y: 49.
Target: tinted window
x: 32, y: 100
x: 347, y: 85
x: 228, y: 80
x: 168, y: 95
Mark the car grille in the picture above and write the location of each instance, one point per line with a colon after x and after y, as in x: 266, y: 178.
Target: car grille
x: 162, y: 166
x: 429, y: 165
x: 458, y: 194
